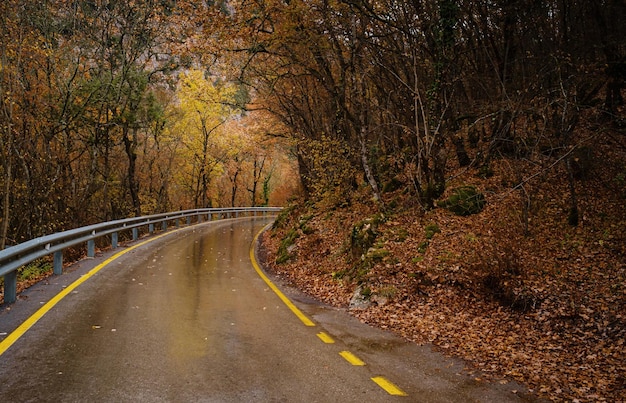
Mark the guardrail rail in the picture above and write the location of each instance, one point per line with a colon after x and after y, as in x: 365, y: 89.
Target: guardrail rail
x: 14, y: 257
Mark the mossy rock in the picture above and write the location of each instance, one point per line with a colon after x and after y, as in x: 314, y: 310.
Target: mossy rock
x: 375, y: 255
x: 303, y: 224
x: 464, y: 201
x: 364, y: 235
x: 283, y: 254
x: 283, y: 217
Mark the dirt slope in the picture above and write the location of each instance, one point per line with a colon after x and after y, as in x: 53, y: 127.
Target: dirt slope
x: 514, y: 290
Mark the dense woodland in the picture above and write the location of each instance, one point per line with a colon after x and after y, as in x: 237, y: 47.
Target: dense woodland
x: 112, y: 109
x: 108, y: 111
x: 378, y: 113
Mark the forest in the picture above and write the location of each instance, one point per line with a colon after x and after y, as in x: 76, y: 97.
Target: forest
x: 448, y: 158
x: 107, y: 112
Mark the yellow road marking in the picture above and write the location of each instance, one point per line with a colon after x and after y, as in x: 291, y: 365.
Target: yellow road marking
x: 325, y: 338
x: 351, y: 358
x: 286, y: 301
x: 388, y: 386
x: 28, y: 323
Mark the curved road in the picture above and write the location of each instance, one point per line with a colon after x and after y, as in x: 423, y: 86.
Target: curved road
x: 189, y: 318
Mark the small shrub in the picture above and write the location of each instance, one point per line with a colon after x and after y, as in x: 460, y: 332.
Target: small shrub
x: 393, y: 185
x: 388, y: 292
x: 421, y: 248
x: 303, y: 224
x: 283, y: 217
x: 431, y: 230
x: 401, y: 235
x: 464, y: 201
x: 503, y: 278
x: 376, y: 255
x: 34, y: 270
x: 363, y: 235
x: 392, y: 205
x: 283, y: 254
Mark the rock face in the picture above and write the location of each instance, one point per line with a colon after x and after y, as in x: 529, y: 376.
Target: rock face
x: 358, y: 300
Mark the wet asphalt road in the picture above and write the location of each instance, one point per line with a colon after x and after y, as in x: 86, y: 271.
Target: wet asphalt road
x: 187, y: 319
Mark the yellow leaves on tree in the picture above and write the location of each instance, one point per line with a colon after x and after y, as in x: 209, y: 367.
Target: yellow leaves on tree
x: 205, y: 105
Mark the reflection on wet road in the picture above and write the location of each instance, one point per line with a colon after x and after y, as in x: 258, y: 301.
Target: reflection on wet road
x: 186, y: 318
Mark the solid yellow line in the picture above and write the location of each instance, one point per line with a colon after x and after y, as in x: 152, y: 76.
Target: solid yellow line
x: 388, y: 386
x: 351, y: 358
x: 325, y: 338
x: 23, y: 328
x: 286, y: 301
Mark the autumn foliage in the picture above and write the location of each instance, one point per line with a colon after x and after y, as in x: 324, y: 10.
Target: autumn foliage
x: 401, y: 109
x: 107, y: 111
x: 461, y: 161
x: 519, y: 295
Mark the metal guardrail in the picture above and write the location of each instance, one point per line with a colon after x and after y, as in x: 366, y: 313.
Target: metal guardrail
x: 17, y: 256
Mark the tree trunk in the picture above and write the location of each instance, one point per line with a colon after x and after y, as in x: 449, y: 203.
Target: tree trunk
x: 7, y: 165
x: 6, y: 202
x: 130, y: 145
x: 366, y: 166
x: 235, y: 186
x: 572, y: 217
x: 305, y: 174
x: 266, y: 188
x: 461, y: 152
x: 256, y: 178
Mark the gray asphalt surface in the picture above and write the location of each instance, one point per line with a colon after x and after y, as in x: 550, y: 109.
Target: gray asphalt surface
x: 186, y: 318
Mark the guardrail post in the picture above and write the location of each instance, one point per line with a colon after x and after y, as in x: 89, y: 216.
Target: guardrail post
x: 57, y: 264
x: 89, y: 234
x: 10, y: 287
x: 164, y: 225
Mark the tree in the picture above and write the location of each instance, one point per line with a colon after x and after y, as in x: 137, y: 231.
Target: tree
x: 205, y: 107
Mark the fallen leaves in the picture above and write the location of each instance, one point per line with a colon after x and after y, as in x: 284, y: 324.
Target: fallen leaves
x: 551, y: 316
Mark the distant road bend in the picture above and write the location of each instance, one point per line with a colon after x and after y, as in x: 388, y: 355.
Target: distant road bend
x: 190, y: 317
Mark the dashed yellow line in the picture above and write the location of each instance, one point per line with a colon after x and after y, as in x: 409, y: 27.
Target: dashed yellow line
x: 286, y: 301
x: 351, y: 358
x: 381, y: 381
x: 388, y: 386
x: 325, y: 338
